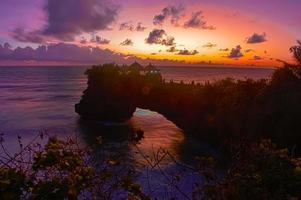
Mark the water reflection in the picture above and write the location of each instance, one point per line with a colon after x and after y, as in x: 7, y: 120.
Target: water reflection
x: 159, y: 133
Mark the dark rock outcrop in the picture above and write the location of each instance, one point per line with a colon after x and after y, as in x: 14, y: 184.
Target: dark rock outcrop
x: 218, y: 111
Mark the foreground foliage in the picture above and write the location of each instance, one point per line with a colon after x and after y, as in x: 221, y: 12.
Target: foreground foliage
x: 61, y: 170
x: 258, y: 171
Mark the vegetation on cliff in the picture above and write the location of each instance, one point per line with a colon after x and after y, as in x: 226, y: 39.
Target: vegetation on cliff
x: 219, y: 111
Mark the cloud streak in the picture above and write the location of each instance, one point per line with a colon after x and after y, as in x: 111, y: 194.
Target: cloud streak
x: 256, y: 38
x: 71, y: 53
x: 127, y: 42
x: 225, y: 49
x: 197, y: 21
x: 187, y: 52
x: 255, y: 57
x: 209, y: 45
x: 59, y: 52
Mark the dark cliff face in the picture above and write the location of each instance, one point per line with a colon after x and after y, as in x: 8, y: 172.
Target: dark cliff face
x: 114, y: 93
x: 218, y: 111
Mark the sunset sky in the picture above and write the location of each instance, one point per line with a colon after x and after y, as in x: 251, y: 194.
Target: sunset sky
x: 248, y: 32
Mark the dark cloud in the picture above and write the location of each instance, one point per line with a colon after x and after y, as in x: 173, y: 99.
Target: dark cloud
x: 99, y: 40
x: 209, y: 45
x: 5, y: 50
x: 139, y: 27
x: 256, y: 38
x: 68, y: 18
x: 127, y: 42
x: 187, y: 52
x: 197, y: 21
x: 168, y: 41
x: 21, y: 35
x: 128, y: 26
x: 236, y: 53
x: 155, y: 36
x: 225, y: 49
x: 159, y: 36
x: 174, y: 12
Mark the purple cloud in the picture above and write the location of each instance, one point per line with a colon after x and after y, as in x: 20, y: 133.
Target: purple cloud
x: 127, y: 42
x: 256, y: 38
x: 128, y: 26
x: 21, y: 35
x: 174, y: 12
x: 197, y: 21
x: 69, y: 18
x: 159, y: 36
x: 99, y: 40
x: 64, y: 52
x: 5, y: 50
x: 139, y: 27
x: 235, y: 53
x: 187, y: 52
x: 59, y: 52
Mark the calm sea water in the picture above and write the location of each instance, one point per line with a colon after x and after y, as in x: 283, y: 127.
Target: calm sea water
x: 43, y: 98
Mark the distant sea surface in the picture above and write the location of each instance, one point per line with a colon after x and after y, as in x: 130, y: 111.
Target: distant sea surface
x: 43, y: 98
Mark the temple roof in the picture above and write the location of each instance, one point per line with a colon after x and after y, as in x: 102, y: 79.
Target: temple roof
x: 136, y: 65
x: 151, y: 67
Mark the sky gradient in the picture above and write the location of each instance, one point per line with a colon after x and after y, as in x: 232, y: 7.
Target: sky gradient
x: 191, y: 32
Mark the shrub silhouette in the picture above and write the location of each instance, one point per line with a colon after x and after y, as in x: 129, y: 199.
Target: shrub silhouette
x: 62, y: 170
x: 258, y: 171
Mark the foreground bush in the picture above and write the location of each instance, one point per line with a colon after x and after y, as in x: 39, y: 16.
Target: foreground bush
x: 62, y: 170
x: 258, y: 171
